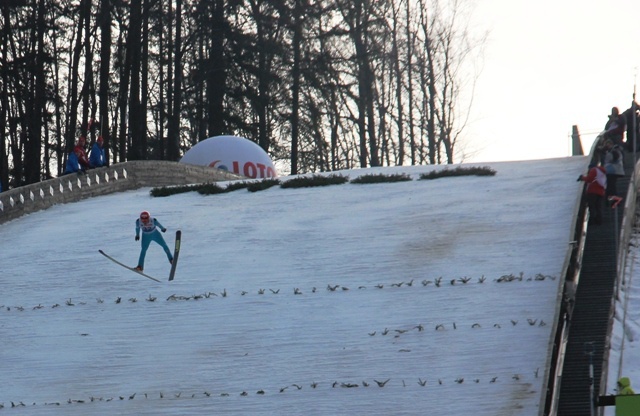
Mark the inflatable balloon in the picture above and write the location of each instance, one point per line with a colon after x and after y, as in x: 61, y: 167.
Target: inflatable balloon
x: 233, y: 154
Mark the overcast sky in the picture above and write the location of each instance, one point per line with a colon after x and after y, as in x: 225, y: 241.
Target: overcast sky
x: 547, y: 66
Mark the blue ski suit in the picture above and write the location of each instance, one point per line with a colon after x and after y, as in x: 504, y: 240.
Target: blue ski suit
x: 151, y: 232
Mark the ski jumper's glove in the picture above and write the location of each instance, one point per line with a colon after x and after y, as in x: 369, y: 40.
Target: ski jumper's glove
x: 164, y: 230
x: 137, y: 237
x: 579, y: 178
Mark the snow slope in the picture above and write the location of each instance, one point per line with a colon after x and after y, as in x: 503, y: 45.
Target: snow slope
x: 293, y: 301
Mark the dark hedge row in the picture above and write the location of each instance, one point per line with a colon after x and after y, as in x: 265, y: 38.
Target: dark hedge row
x: 318, y: 180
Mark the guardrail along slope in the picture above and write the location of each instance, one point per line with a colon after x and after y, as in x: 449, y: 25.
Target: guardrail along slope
x: 102, y: 181
x: 591, y: 311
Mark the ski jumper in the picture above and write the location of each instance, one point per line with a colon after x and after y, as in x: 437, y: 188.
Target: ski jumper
x: 151, y: 232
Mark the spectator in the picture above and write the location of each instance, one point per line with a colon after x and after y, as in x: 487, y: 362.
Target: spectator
x: 149, y: 227
x: 73, y: 166
x: 613, y: 165
x: 624, y: 387
x: 596, y: 181
x: 80, y: 151
x: 77, y: 162
x: 615, y: 126
x: 629, y: 115
x: 97, y: 158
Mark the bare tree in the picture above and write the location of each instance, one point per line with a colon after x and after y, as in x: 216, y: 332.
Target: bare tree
x: 137, y: 139
x: 296, y: 74
x: 36, y: 98
x: 217, y: 69
x: 447, y: 47
x: 173, y: 133
x: 105, y: 66
x: 74, y: 79
x: 4, y: 99
x: 357, y: 16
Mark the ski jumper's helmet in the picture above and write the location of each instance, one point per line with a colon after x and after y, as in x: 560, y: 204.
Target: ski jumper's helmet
x: 144, y: 216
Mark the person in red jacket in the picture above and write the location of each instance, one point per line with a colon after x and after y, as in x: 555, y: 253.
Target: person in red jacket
x: 81, y: 153
x: 596, y: 181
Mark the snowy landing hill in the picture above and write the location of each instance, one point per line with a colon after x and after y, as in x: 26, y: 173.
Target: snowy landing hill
x: 423, y: 297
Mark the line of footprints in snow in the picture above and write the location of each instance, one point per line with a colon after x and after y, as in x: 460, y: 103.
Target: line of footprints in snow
x: 297, y: 291
x: 515, y: 378
x: 313, y: 385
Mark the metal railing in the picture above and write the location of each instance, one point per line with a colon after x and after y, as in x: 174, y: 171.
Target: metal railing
x: 626, y: 230
x: 566, y: 300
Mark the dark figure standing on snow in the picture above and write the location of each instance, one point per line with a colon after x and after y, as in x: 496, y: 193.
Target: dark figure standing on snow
x: 596, y: 181
x: 150, y: 228
x: 613, y: 166
x: 615, y: 126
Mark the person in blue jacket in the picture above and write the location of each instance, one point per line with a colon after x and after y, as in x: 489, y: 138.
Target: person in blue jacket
x: 97, y: 158
x: 77, y: 162
x: 73, y: 165
x: 150, y: 228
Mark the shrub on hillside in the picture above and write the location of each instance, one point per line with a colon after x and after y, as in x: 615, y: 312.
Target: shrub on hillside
x: 262, y: 185
x: 318, y: 180
x: 210, y: 189
x: 172, y: 190
x: 234, y: 186
x: 381, y: 178
x: 459, y: 171
x: 315, y: 180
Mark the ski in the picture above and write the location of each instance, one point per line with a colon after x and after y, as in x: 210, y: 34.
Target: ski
x: 127, y: 267
x: 176, y: 253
